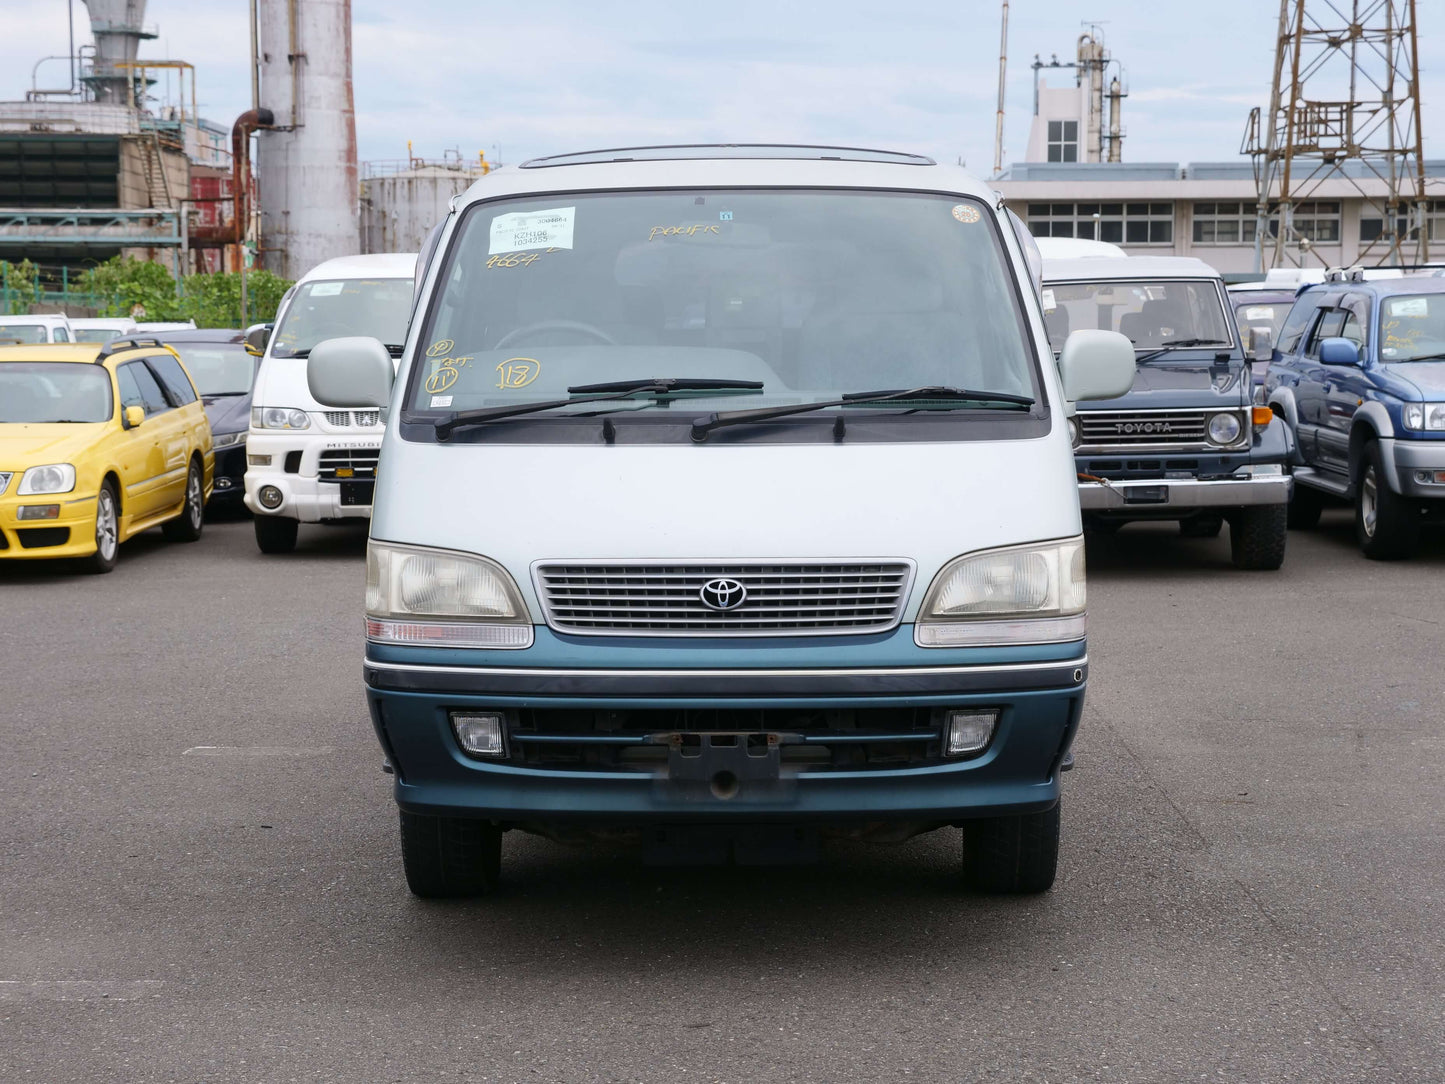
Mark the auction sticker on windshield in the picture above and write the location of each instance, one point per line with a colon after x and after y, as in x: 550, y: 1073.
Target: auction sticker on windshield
x: 532, y: 229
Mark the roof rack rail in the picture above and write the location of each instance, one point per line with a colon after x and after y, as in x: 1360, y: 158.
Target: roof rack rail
x: 131, y: 343
x: 685, y: 151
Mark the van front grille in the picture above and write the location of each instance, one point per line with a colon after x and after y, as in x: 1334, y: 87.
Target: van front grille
x: 1151, y: 428
x: 346, y: 419
x: 624, y: 598
x: 343, y: 464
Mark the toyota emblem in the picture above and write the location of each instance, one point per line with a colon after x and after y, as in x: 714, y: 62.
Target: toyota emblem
x: 722, y: 594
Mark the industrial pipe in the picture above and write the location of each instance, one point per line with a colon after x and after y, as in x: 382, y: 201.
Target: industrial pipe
x: 241, y: 131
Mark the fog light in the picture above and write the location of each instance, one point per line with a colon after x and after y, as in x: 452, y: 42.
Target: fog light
x: 970, y: 731
x: 39, y: 511
x: 1430, y: 477
x: 269, y: 496
x: 479, y: 733
x: 258, y: 460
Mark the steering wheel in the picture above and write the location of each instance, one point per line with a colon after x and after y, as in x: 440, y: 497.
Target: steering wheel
x: 554, y: 325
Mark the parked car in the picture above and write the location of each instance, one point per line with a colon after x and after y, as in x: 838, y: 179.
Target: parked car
x: 224, y: 370
x: 600, y: 596
x: 1259, y: 312
x: 97, y: 445
x: 1185, y: 443
x: 1359, y: 376
x: 306, y: 463
x: 102, y: 329
x: 152, y: 327
x: 49, y: 328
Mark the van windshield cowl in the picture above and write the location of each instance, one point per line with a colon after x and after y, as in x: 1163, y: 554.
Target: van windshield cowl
x: 800, y: 296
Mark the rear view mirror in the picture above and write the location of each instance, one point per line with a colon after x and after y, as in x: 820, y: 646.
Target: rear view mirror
x: 1261, y: 343
x: 257, y: 336
x: 354, y: 371
x: 1339, y: 352
x: 1096, y: 365
x: 133, y: 416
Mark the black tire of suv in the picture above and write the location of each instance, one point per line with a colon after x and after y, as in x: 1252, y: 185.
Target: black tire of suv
x: 275, y: 534
x: 450, y: 857
x: 186, y: 527
x: 1012, y: 855
x: 1397, y: 519
x: 1305, y: 508
x: 1257, y: 537
x: 106, y: 504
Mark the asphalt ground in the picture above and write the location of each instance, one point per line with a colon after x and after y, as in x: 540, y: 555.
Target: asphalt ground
x: 200, y: 878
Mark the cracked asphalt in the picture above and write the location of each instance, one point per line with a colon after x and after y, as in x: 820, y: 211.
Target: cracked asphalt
x: 200, y: 879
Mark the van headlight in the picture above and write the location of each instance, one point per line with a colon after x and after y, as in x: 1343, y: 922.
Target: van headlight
x: 1020, y: 595
x: 270, y: 417
x: 1224, y: 429
x: 441, y: 598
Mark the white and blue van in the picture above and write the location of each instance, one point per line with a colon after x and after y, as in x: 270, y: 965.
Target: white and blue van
x: 726, y: 496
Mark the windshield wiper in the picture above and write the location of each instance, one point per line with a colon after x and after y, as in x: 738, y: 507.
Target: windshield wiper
x: 705, y: 425
x: 675, y: 383
x: 621, y: 390
x: 1421, y: 357
x: 1175, y: 344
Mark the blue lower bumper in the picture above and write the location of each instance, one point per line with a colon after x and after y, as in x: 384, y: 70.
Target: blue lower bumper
x: 411, y: 694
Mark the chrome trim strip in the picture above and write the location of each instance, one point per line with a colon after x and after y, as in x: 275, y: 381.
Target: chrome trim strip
x: 901, y: 671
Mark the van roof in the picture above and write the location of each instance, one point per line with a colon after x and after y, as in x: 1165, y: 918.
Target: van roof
x: 728, y: 166
x: 375, y: 265
x: 1135, y: 267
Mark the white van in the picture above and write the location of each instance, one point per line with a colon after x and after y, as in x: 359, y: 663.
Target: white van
x: 305, y: 463
x: 49, y: 328
x: 728, y: 501
x: 102, y: 329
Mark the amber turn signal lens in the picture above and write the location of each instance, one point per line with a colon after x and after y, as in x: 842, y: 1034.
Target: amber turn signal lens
x: 1262, y: 415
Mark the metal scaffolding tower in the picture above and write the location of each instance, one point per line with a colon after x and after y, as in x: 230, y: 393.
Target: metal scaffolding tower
x: 1344, y: 117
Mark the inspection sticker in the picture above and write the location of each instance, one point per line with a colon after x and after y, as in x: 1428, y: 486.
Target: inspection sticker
x: 441, y: 401
x: 1407, y: 306
x: 1259, y: 312
x: 532, y: 229
x: 1049, y: 303
x: 327, y: 289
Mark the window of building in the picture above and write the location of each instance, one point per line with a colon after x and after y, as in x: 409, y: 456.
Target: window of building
x: 1372, y: 224
x: 1227, y: 223
x: 1063, y: 141
x: 1118, y: 223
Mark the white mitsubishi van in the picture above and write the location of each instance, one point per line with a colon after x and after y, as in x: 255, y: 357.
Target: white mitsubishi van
x: 727, y: 501
x: 304, y: 463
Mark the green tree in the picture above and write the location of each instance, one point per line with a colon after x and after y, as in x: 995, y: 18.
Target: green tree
x: 211, y: 300
x: 19, y: 286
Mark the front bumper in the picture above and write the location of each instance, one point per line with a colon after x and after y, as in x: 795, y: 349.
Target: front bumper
x: 304, y: 496
x: 1039, y: 700
x: 1151, y: 497
x: 1410, y: 456
x: 71, y: 535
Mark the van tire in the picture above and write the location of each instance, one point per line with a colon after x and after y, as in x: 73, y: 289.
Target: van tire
x: 1305, y: 508
x: 275, y: 534
x: 186, y: 527
x: 1257, y: 537
x: 1395, y: 531
x: 450, y: 857
x: 1012, y: 855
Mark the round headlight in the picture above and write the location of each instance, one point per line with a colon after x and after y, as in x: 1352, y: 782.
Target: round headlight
x: 1224, y: 428
x: 1073, y: 431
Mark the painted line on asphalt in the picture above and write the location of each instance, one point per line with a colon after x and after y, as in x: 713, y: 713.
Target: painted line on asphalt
x: 78, y: 989
x: 257, y: 751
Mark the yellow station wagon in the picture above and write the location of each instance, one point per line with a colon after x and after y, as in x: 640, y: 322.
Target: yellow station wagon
x: 98, y: 443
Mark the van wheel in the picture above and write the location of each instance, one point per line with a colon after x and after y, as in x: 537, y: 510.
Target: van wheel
x: 1386, y: 524
x: 450, y: 857
x: 1257, y: 537
x: 275, y: 534
x: 1305, y: 508
x: 187, y: 526
x: 1013, y: 855
x: 107, y: 531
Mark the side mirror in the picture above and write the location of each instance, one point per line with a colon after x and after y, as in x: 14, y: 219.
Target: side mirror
x: 354, y: 371
x: 1261, y: 344
x: 133, y: 416
x: 257, y: 336
x: 1339, y: 352
x: 1096, y: 365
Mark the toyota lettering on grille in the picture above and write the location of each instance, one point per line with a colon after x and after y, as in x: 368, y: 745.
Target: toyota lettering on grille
x: 722, y: 594
x: 1143, y: 427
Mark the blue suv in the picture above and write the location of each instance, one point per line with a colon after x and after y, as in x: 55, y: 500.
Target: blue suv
x: 1359, y: 376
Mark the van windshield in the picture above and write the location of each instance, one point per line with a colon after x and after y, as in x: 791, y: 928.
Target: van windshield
x: 328, y: 309
x: 22, y: 333
x: 1154, y: 315
x: 813, y: 294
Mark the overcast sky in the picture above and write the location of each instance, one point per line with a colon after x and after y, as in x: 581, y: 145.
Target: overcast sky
x: 558, y: 75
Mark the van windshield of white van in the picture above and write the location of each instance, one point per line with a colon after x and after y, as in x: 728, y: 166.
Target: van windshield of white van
x: 327, y: 309
x: 811, y: 294
x: 22, y: 333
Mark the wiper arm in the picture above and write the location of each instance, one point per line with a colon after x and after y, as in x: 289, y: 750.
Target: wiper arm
x: 618, y: 390
x: 1174, y: 344
x: 674, y: 383
x: 705, y: 425
x: 1422, y: 357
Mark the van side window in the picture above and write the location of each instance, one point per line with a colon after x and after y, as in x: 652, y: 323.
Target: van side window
x: 173, y: 378
x: 152, y: 398
x: 61, y: 335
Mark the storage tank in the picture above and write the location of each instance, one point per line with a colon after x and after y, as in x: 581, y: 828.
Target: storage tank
x: 398, y: 209
x: 306, y: 164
